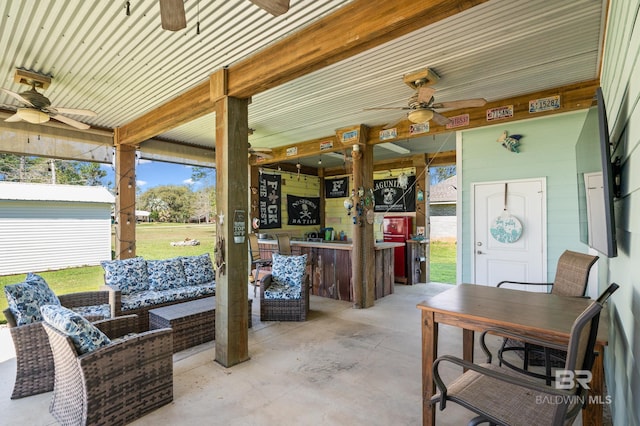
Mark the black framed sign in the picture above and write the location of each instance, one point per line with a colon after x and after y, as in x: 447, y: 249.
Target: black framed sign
x: 303, y: 210
x: 391, y: 197
x: 336, y: 188
x: 269, y: 201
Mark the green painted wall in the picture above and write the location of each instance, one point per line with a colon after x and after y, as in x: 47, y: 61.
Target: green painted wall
x: 547, y: 150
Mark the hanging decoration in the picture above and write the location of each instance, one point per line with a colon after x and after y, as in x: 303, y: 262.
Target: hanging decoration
x: 336, y: 188
x: 510, y: 143
x: 303, y: 210
x: 390, y: 197
x: 269, y: 208
x: 506, y: 228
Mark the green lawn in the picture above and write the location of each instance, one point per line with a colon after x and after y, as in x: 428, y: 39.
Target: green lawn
x: 153, y: 242
x: 443, y: 262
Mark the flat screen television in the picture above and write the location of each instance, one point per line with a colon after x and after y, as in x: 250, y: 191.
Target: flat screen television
x: 596, y: 181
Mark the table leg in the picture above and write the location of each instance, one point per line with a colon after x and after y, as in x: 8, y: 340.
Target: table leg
x: 592, y: 415
x: 467, y: 344
x: 429, y: 354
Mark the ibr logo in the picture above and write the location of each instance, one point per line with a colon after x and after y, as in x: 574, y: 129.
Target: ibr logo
x: 567, y: 379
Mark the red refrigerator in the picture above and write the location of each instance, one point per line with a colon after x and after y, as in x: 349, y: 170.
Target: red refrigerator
x: 398, y: 229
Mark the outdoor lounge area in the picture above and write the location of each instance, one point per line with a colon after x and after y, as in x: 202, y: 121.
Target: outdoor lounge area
x: 341, y: 366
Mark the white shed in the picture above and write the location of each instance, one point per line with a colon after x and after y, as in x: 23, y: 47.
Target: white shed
x: 47, y: 227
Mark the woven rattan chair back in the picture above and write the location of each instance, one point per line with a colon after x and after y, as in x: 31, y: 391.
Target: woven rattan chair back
x: 572, y: 273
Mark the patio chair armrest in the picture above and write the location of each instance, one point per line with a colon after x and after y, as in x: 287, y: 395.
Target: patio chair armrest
x: 516, y: 380
x: 118, y: 326
x: 115, y: 300
x: 11, y: 320
x: 85, y: 298
x: 266, y: 281
x: 502, y: 332
x: 521, y: 283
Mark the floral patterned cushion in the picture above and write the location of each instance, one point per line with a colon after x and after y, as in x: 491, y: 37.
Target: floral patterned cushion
x: 288, y: 270
x: 93, y: 313
x: 128, y: 275
x: 198, y: 269
x: 84, y: 335
x: 280, y: 290
x: 26, y: 298
x: 165, y: 274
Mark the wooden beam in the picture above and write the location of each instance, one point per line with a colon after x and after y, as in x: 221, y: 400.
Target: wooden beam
x: 190, y: 105
x: 572, y: 97
x: 352, y: 29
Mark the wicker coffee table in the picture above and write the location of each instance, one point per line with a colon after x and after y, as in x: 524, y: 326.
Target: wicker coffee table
x: 193, y: 322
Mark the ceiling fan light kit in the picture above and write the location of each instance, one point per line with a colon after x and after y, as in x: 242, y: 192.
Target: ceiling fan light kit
x: 420, y: 116
x: 32, y: 116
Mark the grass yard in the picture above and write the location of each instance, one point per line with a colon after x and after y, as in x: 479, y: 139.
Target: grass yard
x: 443, y: 262
x: 153, y: 242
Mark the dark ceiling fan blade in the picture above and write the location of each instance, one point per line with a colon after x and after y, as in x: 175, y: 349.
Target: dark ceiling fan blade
x: 425, y: 94
x: 274, y: 7
x: 73, y: 111
x: 172, y: 15
x: 17, y: 96
x: 394, y: 123
x: 467, y: 103
x: 440, y: 119
x: 70, y: 121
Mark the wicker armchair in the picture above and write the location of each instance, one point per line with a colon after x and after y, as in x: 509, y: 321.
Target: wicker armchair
x: 114, y: 384
x: 34, y: 360
x: 572, y: 276
x: 505, y: 397
x: 284, y: 309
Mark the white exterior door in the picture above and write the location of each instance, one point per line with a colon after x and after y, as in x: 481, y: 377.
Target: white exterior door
x: 510, y: 239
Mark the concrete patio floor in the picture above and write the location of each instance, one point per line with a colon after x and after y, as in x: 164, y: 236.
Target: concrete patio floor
x: 341, y: 367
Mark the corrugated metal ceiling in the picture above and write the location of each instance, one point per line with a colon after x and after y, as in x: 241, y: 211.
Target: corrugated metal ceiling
x: 123, y: 66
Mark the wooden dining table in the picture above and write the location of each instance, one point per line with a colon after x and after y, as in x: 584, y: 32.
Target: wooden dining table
x: 474, y: 308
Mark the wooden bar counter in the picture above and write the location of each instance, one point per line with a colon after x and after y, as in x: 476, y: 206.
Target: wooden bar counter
x: 329, y: 266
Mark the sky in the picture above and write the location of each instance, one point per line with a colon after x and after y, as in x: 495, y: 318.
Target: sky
x: 150, y: 174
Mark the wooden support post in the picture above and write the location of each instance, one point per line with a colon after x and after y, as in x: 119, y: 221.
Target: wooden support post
x: 231, y: 198
x: 363, y: 251
x: 125, y: 214
x: 422, y: 211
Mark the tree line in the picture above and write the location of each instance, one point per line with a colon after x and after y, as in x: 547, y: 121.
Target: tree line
x: 168, y: 203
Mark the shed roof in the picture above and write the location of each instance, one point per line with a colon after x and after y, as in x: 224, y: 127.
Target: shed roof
x: 19, y: 191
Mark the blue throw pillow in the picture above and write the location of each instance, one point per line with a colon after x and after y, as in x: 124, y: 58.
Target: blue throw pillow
x: 128, y: 275
x: 288, y: 270
x: 198, y: 269
x: 165, y: 274
x: 85, y: 336
x: 26, y: 298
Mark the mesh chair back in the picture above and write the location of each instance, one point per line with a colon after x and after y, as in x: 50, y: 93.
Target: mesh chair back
x: 284, y: 244
x: 580, y: 354
x: 254, y: 249
x: 572, y: 273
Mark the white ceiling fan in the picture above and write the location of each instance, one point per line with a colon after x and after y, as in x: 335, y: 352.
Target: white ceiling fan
x: 173, y: 16
x: 36, y: 108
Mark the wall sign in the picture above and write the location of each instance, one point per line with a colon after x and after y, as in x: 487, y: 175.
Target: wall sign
x: 292, y: 151
x: 303, y: 210
x: 269, y: 201
x: 418, y: 128
x: 388, y: 134
x: 500, y: 113
x: 239, y: 226
x: 458, y: 121
x: 390, y: 197
x: 324, y: 145
x: 544, y: 104
x: 336, y: 188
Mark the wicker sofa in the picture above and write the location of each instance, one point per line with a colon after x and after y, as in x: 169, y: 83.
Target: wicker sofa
x: 34, y: 360
x: 137, y: 285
